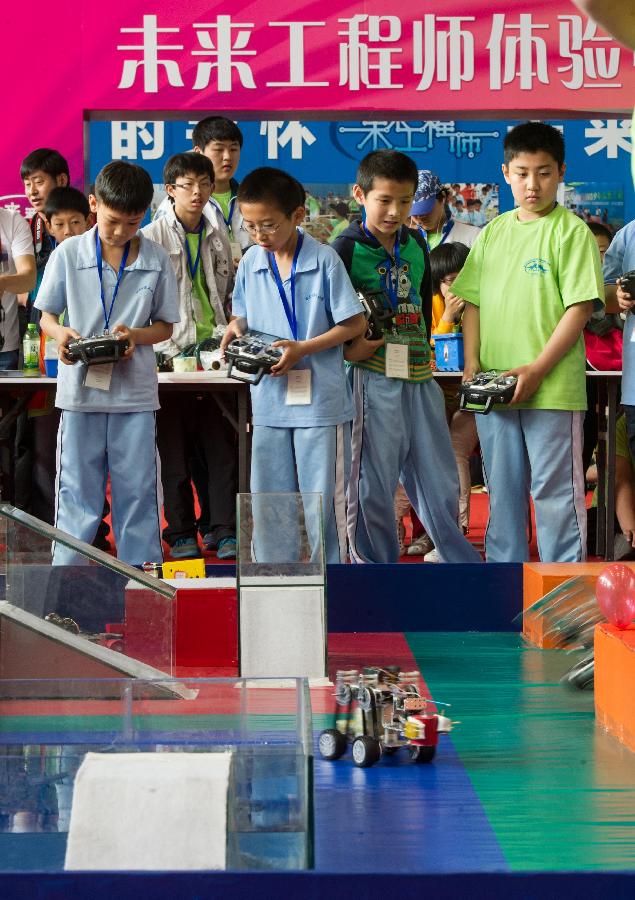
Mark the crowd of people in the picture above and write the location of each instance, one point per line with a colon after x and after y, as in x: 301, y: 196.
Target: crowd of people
x: 356, y: 418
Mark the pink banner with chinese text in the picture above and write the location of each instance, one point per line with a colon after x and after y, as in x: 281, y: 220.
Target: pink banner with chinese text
x: 291, y: 57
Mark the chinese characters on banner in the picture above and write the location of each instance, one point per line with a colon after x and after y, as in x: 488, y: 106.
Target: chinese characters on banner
x: 371, y: 53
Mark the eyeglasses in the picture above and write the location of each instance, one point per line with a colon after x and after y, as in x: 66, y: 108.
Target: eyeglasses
x: 263, y: 229
x: 190, y: 186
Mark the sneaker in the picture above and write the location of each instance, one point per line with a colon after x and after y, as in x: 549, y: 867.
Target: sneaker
x: 209, y: 541
x: 226, y: 548
x: 185, y: 548
x: 432, y: 556
x: 422, y: 545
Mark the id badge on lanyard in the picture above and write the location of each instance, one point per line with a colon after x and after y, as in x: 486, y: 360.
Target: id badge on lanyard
x: 397, y: 357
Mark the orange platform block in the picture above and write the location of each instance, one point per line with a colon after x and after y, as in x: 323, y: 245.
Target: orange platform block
x: 538, y: 580
x: 615, y: 682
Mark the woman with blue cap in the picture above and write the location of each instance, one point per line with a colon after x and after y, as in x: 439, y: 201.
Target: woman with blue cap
x: 431, y: 214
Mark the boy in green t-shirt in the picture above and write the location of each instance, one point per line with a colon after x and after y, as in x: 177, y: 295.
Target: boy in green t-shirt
x: 530, y: 283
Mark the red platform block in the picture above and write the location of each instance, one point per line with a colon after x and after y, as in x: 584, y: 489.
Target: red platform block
x: 198, y: 630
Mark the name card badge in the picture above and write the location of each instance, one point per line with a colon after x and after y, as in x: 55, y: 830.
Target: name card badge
x: 298, y: 387
x: 99, y: 377
x: 397, y: 360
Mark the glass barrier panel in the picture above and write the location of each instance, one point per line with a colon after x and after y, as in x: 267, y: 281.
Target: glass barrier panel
x: 280, y: 537
x: 91, y: 617
x: 264, y: 723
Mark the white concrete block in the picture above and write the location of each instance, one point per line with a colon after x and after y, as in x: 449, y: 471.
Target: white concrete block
x: 149, y: 812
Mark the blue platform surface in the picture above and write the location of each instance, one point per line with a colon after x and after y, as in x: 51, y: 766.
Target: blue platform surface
x: 403, y: 816
x: 372, y: 885
x: 443, y: 597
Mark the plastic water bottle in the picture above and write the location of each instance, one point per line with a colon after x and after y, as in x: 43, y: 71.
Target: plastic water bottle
x: 31, y: 351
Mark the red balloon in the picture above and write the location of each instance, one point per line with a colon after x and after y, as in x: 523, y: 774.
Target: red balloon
x: 615, y: 591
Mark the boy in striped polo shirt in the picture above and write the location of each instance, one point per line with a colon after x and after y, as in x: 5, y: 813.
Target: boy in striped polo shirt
x: 400, y: 429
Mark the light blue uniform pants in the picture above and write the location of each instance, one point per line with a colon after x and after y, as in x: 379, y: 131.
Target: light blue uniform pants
x: 537, y: 452
x: 309, y: 460
x: 401, y: 432
x: 89, y: 447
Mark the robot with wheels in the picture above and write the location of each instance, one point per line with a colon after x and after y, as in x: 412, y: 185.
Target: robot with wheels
x: 391, y: 713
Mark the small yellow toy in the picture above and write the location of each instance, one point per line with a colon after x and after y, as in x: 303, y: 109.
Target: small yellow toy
x: 184, y: 568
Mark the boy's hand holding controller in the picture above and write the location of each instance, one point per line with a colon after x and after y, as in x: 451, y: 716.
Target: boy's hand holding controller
x: 470, y: 369
x: 125, y: 332
x: 625, y: 300
x: 530, y: 378
x: 361, y: 348
x: 235, y: 329
x: 293, y: 353
x: 63, y: 336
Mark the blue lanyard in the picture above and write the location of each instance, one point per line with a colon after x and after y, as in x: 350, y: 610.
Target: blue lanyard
x: 122, y: 266
x: 289, y: 312
x: 232, y: 204
x: 391, y: 284
x: 193, y: 269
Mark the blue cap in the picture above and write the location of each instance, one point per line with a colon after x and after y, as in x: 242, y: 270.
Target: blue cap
x: 426, y: 194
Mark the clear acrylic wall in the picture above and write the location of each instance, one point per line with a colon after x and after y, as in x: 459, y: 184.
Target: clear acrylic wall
x: 266, y: 725
x: 66, y: 621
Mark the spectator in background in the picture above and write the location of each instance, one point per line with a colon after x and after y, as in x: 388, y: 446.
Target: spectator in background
x: 340, y: 216
x: 17, y: 276
x: 41, y: 171
x: 433, y: 217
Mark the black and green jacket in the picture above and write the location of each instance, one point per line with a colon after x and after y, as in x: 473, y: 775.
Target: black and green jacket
x: 369, y: 267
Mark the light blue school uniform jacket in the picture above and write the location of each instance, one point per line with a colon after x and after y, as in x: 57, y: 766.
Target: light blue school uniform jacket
x: 324, y: 297
x: 147, y: 294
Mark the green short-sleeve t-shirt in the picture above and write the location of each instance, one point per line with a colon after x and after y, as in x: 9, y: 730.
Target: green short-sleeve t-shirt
x: 204, y: 317
x: 523, y: 276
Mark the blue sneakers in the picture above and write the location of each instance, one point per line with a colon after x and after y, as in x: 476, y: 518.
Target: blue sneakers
x: 226, y: 548
x: 185, y: 548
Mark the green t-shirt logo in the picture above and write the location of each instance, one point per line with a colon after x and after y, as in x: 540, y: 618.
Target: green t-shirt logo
x: 537, y: 267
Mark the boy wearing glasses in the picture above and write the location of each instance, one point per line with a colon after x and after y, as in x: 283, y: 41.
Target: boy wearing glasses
x: 292, y: 286
x: 221, y: 141
x: 186, y: 424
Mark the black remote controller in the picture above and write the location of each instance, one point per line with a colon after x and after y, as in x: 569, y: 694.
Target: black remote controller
x: 97, y: 349
x: 484, y: 390
x: 251, y: 356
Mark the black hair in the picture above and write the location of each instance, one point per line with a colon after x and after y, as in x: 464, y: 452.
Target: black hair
x: 389, y: 164
x: 599, y: 228
x: 215, y: 128
x: 185, y: 164
x: 445, y: 259
x: 533, y: 137
x: 65, y: 199
x: 44, y: 160
x: 124, y: 187
x: 273, y: 186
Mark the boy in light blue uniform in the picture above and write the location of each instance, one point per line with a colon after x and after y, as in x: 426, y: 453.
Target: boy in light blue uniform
x: 110, y: 274
x: 291, y: 286
x: 619, y: 259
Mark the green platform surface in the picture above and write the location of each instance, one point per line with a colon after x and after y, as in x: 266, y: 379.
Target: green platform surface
x: 558, y: 792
